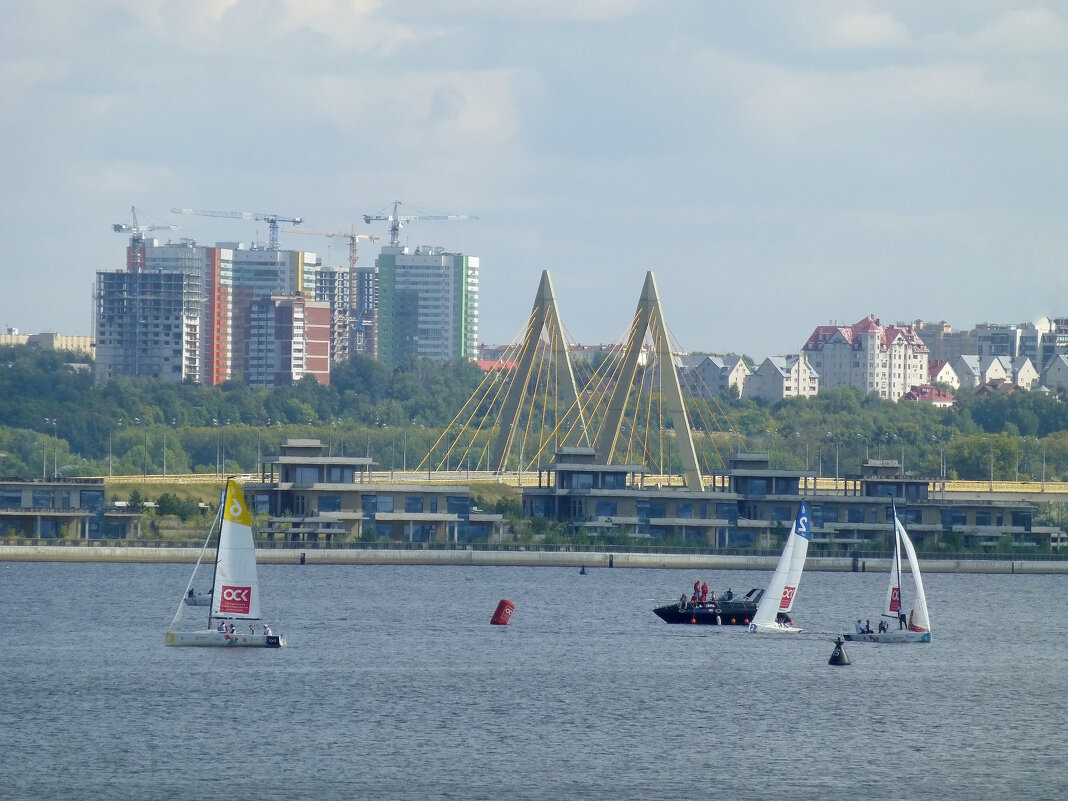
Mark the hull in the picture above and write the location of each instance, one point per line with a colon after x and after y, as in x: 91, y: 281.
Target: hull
x: 198, y: 600
x: 216, y: 639
x: 773, y: 628
x: 892, y: 636
x: 733, y: 613
x: 736, y: 612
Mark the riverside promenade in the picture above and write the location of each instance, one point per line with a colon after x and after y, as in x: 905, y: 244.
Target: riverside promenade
x: 527, y: 557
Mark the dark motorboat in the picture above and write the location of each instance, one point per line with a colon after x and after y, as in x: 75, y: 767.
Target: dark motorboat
x: 727, y: 610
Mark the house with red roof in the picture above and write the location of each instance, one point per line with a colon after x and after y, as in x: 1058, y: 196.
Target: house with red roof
x: 942, y: 398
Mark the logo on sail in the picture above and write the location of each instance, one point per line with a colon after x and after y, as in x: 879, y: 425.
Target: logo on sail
x: 787, y: 597
x: 235, y: 600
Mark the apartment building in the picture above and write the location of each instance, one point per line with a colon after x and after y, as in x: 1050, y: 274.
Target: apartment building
x: 288, y: 338
x: 780, y: 377
x: 887, y: 360
x: 427, y: 305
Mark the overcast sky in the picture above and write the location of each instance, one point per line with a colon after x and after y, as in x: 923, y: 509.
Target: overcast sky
x: 777, y: 165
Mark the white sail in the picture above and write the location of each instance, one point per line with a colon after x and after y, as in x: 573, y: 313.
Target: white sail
x: 919, y: 619
x: 892, y: 607
x: 236, y: 593
x: 904, y: 627
x: 782, y: 589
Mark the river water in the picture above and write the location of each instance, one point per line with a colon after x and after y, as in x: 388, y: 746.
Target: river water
x: 395, y: 686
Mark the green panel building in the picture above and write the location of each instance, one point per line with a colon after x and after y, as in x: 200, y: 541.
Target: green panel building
x: 427, y: 305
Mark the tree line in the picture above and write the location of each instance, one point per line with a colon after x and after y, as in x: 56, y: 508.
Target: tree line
x: 56, y: 421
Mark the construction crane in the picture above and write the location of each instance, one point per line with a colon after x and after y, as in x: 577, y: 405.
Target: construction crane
x: 397, y: 220
x: 352, y: 236
x: 272, y: 220
x: 136, y: 230
x: 135, y: 253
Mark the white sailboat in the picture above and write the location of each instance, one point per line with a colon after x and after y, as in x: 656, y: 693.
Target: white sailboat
x: 235, y: 595
x: 916, y: 625
x: 772, y: 612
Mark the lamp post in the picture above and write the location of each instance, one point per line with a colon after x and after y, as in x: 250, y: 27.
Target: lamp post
x: 55, y: 444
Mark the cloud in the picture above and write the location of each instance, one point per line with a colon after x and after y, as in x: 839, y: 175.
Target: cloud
x: 1028, y: 31
x: 867, y: 30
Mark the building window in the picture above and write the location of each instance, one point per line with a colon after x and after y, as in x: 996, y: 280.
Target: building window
x: 329, y: 503
x: 413, y: 504
x: 341, y: 475
x: 606, y: 508
x: 306, y: 475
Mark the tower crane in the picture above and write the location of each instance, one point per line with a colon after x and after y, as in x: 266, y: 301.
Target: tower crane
x: 352, y: 236
x: 136, y: 230
x: 396, y: 220
x: 135, y: 253
x: 272, y: 220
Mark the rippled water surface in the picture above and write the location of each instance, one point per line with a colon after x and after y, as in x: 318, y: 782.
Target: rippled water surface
x: 395, y: 686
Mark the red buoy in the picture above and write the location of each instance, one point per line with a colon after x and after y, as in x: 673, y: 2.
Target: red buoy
x: 503, y: 613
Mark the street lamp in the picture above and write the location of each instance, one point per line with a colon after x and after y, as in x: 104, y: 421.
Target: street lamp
x: 55, y: 444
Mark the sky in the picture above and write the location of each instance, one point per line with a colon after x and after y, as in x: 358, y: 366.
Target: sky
x: 777, y: 166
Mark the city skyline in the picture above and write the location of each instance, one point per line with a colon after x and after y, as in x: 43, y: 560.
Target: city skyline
x: 776, y: 166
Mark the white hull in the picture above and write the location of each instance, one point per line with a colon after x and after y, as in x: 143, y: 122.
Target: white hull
x: 773, y: 628
x: 217, y: 639
x: 892, y: 636
x: 198, y: 600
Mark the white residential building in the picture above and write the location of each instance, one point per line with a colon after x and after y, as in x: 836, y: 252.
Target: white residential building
x: 780, y: 377
x: 883, y: 359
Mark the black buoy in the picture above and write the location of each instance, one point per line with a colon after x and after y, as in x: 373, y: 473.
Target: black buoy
x: 838, y: 655
x: 583, y: 571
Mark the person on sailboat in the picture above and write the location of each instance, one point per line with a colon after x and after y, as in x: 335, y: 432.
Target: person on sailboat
x: 901, y: 620
x: 859, y: 628
x: 266, y: 630
x: 221, y: 627
x: 867, y: 627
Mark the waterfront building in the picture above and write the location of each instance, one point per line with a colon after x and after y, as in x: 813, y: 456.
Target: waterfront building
x: 752, y: 505
x: 62, y: 508
x: 427, y: 305
x: 311, y: 495
x: 883, y: 359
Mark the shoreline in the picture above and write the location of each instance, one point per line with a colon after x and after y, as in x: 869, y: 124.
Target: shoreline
x: 533, y: 558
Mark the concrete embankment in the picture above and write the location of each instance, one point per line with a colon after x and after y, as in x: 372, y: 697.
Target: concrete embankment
x: 529, y: 558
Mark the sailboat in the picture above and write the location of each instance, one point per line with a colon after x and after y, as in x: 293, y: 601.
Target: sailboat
x: 772, y: 612
x: 235, y: 594
x: 916, y: 626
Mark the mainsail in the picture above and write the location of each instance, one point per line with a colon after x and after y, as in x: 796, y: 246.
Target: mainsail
x: 236, y: 593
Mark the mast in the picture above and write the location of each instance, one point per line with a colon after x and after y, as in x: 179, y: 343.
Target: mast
x: 215, y: 567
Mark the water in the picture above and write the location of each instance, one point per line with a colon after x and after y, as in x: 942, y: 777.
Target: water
x: 395, y: 686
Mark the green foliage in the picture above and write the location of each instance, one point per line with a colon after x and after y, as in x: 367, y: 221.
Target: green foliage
x: 134, y: 426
